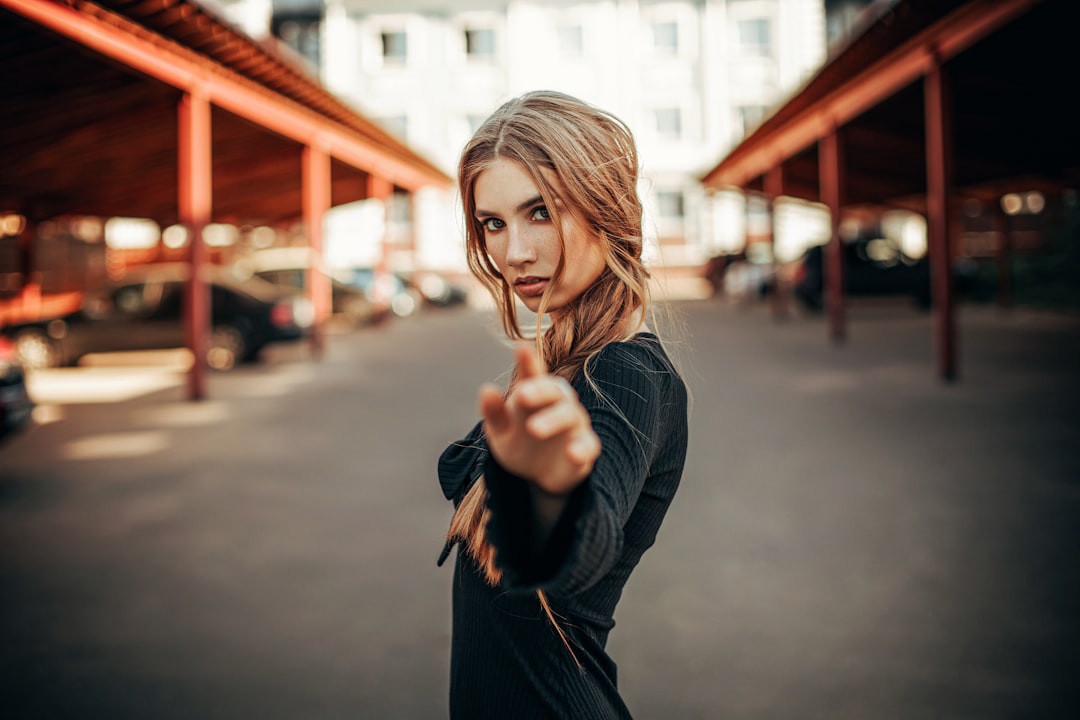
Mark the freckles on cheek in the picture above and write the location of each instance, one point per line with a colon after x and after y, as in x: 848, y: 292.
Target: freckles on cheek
x: 495, y: 258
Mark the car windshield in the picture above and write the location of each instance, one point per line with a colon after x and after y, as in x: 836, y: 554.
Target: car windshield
x: 254, y: 286
x: 179, y: 272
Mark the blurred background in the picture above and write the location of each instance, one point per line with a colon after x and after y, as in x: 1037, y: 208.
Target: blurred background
x: 237, y: 329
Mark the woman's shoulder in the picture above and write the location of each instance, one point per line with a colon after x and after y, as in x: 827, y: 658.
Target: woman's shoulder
x: 636, y: 380
x: 644, y: 350
x: 642, y: 355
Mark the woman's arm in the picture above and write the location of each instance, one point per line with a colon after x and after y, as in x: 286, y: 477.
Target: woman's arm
x: 546, y: 511
x: 540, y: 432
x: 570, y: 540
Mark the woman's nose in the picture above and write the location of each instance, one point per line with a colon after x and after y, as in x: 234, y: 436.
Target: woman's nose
x: 519, y: 250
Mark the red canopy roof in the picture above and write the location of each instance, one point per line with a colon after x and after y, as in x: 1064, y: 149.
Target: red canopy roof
x: 90, y: 115
x: 1009, y: 65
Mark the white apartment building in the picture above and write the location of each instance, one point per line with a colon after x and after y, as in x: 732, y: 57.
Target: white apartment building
x: 689, y: 77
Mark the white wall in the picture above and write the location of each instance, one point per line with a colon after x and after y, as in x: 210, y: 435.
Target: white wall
x: 441, y: 92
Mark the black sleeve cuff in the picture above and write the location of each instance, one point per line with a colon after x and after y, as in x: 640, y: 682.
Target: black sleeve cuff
x: 510, y: 529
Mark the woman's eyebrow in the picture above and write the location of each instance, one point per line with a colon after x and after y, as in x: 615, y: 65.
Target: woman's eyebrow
x: 529, y: 203
x: 521, y: 206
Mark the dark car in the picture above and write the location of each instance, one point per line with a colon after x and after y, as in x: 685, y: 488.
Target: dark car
x: 864, y: 276
x: 385, y: 289
x: 144, y: 311
x: 346, y: 302
x: 717, y: 266
x: 16, y: 407
x: 288, y: 268
x: 436, y: 289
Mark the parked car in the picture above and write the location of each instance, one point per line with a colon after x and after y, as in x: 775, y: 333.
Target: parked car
x: 143, y: 311
x: 746, y: 281
x: 346, y: 302
x: 435, y: 289
x: 16, y: 407
x: 864, y: 276
x: 717, y: 266
x: 287, y: 268
x: 383, y: 289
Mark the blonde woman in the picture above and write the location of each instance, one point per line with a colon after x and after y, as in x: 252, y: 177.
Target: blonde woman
x: 563, y: 485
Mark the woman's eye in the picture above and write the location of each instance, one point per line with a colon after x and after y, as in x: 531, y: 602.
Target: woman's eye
x: 493, y: 224
x: 541, y: 213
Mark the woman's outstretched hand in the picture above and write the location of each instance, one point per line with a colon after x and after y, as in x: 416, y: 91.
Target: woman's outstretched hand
x: 541, y: 431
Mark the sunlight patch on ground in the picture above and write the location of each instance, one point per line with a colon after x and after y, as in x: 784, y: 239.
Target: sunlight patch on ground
x: 280, y: 382
x: 45, y: 414
x: 116, y: 445
x: 179, y: 359
x: 185, y: 414
x: 99, y: 384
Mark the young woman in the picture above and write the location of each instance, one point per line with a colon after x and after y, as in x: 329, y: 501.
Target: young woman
x: 563, y: 484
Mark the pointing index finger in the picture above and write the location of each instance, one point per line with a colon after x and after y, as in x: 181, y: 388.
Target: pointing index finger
x: 528, y: 364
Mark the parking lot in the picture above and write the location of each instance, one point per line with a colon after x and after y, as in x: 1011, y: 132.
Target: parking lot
x: 853, y: 539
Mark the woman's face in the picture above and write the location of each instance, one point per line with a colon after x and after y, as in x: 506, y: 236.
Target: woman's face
x: 521, y: 238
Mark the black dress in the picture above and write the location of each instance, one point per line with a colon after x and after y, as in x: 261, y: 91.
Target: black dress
x: 507, y: 661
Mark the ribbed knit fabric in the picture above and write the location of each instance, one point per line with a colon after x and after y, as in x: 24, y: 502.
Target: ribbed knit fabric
x: 507, y: 661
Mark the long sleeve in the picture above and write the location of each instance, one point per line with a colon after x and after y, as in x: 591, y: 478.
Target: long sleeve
x: 505, y: 652
x: 628, y: 402
x: 459, y: 467
x: 461, y: 463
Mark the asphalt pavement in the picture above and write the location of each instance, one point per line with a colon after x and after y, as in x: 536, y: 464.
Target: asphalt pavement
x: 852, y: 539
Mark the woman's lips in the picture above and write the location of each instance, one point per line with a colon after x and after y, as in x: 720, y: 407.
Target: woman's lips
x: 530, y: 286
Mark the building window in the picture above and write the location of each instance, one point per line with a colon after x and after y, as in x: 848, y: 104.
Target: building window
x: 571, y: 41
x: 841, y: 17
x: 669, y: 123
x: 399, y: 207
x: 751, y: 116
x: 302, y: 33
x: 397, y: 125
x: 474, y: 121
x: 671, y: 204
x: 754, y: 36
x: 480, y: 43
x: 395, y: 47
x: 666, y: 38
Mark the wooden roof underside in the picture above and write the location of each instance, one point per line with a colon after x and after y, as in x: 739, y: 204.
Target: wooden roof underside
x: 84, y: 133
x: 1013, y: 124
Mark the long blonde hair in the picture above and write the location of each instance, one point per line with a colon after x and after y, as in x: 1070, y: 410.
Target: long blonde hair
x: 592, y: 157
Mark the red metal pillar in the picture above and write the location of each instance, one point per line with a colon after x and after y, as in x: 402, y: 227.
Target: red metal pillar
x: 748, y: 197
x: 194, y: 202
x: 774, y: 188
x: 316, y: 201
x: 30, y: 290
x: 414, y: 229
x: 379, y: 188
x: 831, y: 165
x: 938, y: 193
